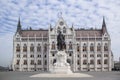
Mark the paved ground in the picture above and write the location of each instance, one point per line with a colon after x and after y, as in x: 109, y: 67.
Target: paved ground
x: 26, y: 76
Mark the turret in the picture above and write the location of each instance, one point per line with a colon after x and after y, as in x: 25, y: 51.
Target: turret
x: 19, y: 26
x: 104, y: 29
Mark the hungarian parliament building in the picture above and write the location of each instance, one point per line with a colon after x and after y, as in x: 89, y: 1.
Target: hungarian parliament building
x: 86, y: 49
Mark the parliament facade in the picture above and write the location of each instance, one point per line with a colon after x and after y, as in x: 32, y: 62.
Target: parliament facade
x: 87, y: 49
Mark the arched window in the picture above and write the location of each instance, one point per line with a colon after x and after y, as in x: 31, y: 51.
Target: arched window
x: 53, y: 45
x: 38, y: 48
x: 25, y: 62
x: 39, y: 62
x: 91, y: 47
x: 105, y: 61
x: 98, y: 47
x: 91, y: 61
x: 32, y: 62
x: 78, y: 48
x: 106, y: 47
x: 54, y: 61
x: 78, y: 62
x: 84, y: 47
x: 70, y: 45
x: 31, y: 48
x: 99, y: 61
x: 18, y: 62
x: 58, y: 30
x: 69, y: 61
x: 18, y: 48
x: 25, y: 48
x: 45, y: 62
x: 84, y: 62
x: 64, y: 30
x: 45, y: 47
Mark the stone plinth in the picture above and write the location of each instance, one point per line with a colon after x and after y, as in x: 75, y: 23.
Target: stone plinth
x: 61, y: 65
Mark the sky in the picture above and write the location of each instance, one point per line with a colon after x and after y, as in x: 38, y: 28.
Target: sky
x: 41, y: 13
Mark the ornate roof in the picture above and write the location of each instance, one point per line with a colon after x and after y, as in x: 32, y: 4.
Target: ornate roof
x: 88, y: 33
x: 33, y: 33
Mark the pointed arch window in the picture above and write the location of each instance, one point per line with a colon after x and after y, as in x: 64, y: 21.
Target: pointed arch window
x: 64, y: 30
x: 70, y: 45
x: 106, y: 47
x: 84, y: 62
x: 98, y: 47
x: 105, y: 61
x: 18, y: 48
x: 39, y: 62
x: 53, y: 45
x: 91, y: 61
x: 38, y: 48
x: 32, y: 48
x: 25, y: 62
x: 45, y: 47
x: 92, y: 47
x: 78, y: 48
x: 58, y: 30
x: 25, y: 48
x: 84, y: 47
x: 99, y: 61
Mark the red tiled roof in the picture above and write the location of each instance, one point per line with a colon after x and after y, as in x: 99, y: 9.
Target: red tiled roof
x: 32, y: 33
x: 90, y: 33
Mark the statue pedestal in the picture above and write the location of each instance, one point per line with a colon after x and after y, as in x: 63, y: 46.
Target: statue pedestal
x: 61, y: 65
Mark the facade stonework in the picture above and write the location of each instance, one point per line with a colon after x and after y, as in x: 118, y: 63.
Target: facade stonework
x: 87, y: 49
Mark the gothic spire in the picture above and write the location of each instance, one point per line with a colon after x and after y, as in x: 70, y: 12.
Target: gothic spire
x: 18, y: 25
x: 104, y: 29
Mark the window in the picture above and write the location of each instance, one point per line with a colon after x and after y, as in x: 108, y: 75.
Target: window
x: 105, y: 61
x: 78, y: 62
x: 105, y: 55
x: 64, y: 30
x: 25, y: 62
x: 18, y: 62
x: 38, y: 48
x: 91, y: 47
x: 31, y: 48
x: 45, y: 62
x: 84, y: 47
x: 18, y: 55
x: 25, y: 56
x: 98, y: 55
x: 98, y: 47
x: 39, y: 55
x: 39, y: 62
x: 98, y: 61
x: 25, y: 48
x: 53, y: 46
x: 58, y: 30
x: 32, y: 62
x: 45, y: 47
x: 70, y: 45
x: 18, y: 48
x: 84, y: 62
x: 106, y: 47
x: 31, y: 56
x: 54, y: 61
x: 78, y: 48
x: 91, y: 55
x: 91, y: 61
x: 70, y: 54
x: 84, y: 55
x: 69, y: 61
